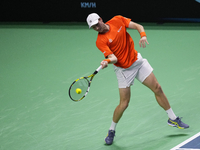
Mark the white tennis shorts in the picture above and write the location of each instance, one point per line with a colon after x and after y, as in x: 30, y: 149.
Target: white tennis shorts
x: 140, y: 70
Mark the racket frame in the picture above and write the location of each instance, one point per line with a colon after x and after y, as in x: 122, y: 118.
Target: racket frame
x: 89, y: 83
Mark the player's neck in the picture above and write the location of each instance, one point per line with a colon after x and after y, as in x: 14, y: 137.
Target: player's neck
x: 106, y: 29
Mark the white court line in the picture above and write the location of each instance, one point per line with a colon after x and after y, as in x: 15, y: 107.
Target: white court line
x: 186, y: 141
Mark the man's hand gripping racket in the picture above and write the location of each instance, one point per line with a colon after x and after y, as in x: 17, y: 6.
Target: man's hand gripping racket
x: 81, y: 86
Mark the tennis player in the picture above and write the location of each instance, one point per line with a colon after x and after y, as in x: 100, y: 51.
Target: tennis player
x: 118, y: 48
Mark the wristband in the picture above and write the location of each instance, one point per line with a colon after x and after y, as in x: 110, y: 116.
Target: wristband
x: 142, y: 34
x: 108, y: 60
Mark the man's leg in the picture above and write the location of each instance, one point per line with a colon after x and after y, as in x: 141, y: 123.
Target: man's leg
x: 123, y: 104
x: 152, y: 83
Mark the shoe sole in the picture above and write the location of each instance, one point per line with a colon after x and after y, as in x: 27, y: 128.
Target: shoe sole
x: 176, y: 125
x: 107, y: 143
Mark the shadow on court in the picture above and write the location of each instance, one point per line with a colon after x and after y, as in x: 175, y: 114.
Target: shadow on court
x: 176, y: 135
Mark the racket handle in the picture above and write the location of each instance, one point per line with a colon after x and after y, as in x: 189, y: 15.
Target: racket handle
x: 98, y: 69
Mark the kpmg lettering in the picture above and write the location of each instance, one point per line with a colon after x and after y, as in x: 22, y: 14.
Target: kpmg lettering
x: 88, y: 4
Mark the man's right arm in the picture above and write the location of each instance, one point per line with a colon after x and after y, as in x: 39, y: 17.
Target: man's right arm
x: 111, y: 59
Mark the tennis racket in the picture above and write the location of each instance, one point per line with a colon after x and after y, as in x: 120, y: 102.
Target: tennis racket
x: 81, y: 86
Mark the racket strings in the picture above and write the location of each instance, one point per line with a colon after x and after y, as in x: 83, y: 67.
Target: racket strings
x: 81, y: 84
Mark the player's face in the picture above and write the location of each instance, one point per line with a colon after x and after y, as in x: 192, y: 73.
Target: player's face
x: 99, y: 27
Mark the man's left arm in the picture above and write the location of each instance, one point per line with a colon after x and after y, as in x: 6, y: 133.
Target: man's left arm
x: 140, y: 29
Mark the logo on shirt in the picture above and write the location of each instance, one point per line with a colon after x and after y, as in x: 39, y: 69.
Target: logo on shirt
x: 119, y: 29
x: 110, y: 40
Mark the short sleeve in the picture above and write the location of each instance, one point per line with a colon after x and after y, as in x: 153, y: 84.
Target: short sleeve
x: 102, y: 45
x: 125, y: 20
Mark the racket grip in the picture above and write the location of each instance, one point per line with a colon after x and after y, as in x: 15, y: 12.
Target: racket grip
x: 98, y: 69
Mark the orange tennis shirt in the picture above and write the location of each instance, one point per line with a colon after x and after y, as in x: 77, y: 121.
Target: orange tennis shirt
x: 118, y: 42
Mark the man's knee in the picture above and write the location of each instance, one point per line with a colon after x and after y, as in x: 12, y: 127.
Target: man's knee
x: 124, y: 104
x: 158, y: 89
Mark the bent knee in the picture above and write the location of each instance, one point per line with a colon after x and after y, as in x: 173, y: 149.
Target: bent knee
x: 124, y: 104
x: 158, y: 89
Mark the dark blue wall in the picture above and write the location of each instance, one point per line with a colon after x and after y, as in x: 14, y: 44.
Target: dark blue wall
x: 77, y: 10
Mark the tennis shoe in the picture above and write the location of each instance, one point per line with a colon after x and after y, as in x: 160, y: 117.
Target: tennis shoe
x: 110, y: 137
x: 177, y: 123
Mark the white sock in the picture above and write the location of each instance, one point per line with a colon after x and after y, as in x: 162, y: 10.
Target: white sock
x: 171, y: 114
x: 113, y: 126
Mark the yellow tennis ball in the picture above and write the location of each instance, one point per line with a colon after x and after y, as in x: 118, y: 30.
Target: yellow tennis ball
x: 78, y: 91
